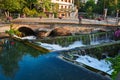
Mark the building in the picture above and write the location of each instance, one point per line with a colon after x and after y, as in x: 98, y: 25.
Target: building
x: 66, y: 8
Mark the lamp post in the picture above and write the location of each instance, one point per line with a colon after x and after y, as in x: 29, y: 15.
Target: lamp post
x: 117, y: 20
x: 105, y: 13
x: 117, y: 13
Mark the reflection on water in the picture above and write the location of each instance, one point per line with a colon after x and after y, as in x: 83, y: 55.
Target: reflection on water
x: 11, y: 54
x: 20, y: 62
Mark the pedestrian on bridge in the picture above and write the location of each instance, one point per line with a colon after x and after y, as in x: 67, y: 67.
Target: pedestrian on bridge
x: 80, y: 19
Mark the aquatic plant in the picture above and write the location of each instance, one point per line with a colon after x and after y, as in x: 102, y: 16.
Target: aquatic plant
x: 115, y: 66
x: 13, y: 31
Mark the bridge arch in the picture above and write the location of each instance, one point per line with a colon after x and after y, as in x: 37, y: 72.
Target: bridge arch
x: 27, y: 31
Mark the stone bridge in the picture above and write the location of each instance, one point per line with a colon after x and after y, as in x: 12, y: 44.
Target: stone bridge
x: 73, y: 27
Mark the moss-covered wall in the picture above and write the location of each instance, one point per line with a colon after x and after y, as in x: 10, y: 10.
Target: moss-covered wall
x: 97, y: 51
x: 84, y: 38
x: 111, y: 49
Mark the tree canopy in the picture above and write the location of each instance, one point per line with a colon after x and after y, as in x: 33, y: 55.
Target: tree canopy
x: 10, y: 5
x: 111, y: 5
x: 20, y: 6
x: 37, y: 6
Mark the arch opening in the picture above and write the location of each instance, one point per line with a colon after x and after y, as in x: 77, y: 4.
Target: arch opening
x: 26, y: 31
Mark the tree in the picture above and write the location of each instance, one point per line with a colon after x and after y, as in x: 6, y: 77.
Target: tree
x: 111, y: 5
x: 90, y: 4
x: 100, y: 7
x: 46, y: 5
x: 31, y: 3
x: 77, y: 3
x: 8, y: 6
x: 89, y: 8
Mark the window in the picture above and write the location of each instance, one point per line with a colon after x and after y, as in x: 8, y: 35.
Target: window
x: 69, y: 1
x: 65, y: 7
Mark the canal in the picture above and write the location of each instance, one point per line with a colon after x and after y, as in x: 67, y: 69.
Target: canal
x: 21, y: 62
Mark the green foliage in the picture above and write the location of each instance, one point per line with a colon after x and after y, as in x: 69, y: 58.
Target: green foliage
x: 77, y: 3
x: 99, y: 7
x: 89, y: 12
x: 12, y: 31
x: 42, y: 14
x: 10, y: 5
x: 31, y: 13
x: 115, y: 65
x: 47, y: 4
x: 90, y: 3
x: 30, y: 3
x: 55, y: 9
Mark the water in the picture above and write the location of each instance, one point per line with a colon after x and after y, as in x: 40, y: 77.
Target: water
x: 102, y: 65
x: 21, y: 62
x: 85, y: 39
x: 55, y: 47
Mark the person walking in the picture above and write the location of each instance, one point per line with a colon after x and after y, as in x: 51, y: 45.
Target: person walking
x: 80, y: 19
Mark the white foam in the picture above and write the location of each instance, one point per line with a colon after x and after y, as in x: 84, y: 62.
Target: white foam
x: 26, y: 37
x: 29, y: 37
x: 102, y: 65
x: 95, y: 63
x: 55, y: 47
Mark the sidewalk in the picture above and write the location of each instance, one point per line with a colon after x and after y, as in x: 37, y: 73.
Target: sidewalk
x: 64, y: 20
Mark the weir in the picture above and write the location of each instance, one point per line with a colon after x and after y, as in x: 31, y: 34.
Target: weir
x: 86, y: 39
x: 106, y: 48
x: 98, y: 51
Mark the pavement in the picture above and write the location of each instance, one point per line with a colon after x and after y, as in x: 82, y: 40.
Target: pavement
x: 109, y: 21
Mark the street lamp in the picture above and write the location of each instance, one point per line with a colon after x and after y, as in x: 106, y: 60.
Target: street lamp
x: 117, y: 15
x: 105, y: 13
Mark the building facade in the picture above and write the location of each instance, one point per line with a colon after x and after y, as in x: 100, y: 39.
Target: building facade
x: 66, y: 7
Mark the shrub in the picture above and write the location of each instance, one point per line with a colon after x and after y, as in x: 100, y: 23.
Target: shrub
x: 115, y: 65
x: 31, y: 13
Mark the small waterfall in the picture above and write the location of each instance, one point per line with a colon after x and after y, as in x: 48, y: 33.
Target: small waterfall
x: 86, y: 39
x: 80, y: 57
x: 101, y: 37
x: 73, y: 53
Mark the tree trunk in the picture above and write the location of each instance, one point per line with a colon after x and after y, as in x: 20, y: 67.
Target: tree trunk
x: 7, y: 14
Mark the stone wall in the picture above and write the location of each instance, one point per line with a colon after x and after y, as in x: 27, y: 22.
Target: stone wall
x: 99, y: 51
